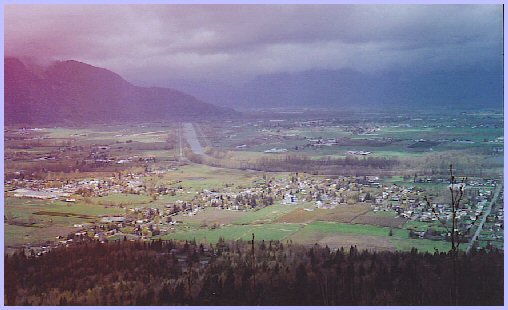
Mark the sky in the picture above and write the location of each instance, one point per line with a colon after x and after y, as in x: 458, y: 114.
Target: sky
x: 207, y: 49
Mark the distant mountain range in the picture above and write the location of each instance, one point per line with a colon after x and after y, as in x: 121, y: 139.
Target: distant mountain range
x: 75, y: 92
x: 353, y: 90
x: 348, y: 88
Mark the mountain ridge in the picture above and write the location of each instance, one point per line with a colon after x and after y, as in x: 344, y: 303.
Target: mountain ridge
x: 76, y: 92
x: 350, y: 89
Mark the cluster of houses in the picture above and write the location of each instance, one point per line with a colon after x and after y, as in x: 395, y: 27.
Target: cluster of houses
x: 130, y: 183
x: 146, y: 221
x: 409, y: 202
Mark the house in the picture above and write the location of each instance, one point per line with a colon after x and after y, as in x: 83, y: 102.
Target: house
x: 276, y: 150
x: 363, y: 153
x: 113, y: 219
x: 290, y: 199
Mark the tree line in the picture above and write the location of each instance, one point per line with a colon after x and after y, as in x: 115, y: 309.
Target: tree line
x: 247, y: 273
x: 299, y: 163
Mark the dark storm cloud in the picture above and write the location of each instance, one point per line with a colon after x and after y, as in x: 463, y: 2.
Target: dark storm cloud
x: 236, y: 42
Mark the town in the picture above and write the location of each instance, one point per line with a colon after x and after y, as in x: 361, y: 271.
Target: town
x: 400, y: 204
x: 378, y: 181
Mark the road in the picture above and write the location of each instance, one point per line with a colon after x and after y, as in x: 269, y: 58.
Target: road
x: 484, y: 217
x: 189, y: 133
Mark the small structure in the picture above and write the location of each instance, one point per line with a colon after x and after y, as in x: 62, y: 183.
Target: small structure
x: 290, y: 199
x: 276, y: 150
x: 363, y: 153
x: 28, y: 193
x: 113, y: 219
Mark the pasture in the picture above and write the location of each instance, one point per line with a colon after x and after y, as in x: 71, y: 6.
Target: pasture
x: 33, y: 220
x: 235, y: 232
x: 211, y: 216
x: 264, y: 215
x: 30, y: 220
x: 343, y: 213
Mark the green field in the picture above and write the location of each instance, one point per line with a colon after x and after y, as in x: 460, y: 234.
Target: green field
x: 400, y: 238
x: 235, y: 232
x: 63, y: 215
x: 402, y: 137
x: 124, y: 199
x: 41, y: 220
x: 369, y: 236
x: 267, y: 214
x: 196, y: 177
x: 354, y: 229
x: 32, y: 220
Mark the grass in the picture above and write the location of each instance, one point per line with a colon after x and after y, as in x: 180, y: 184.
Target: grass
x: 383, y: 213
x: 196, y: 177
x: 209, y: 235
x: 236, y: 232
x: 55, y: 217
x: 422, y: 245
x: 120, y: 133
x: 390, y: 153
x: 166, y: 199
x: 86, y: 209
x: 398, y: 180
x: 210, y: 216
x: 354, y: 229
x: 400, y: 238
x: 65, y: 132
x: 274, y: 231
x: 124, y: 199
x: 14, y: 235
x: 269, y: 214
x: 331, y: 132
x: 17, y: 235
x: 416, y: 225
x: 50, y: 218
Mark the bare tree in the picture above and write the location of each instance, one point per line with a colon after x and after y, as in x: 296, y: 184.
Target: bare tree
x: 456, y: 194
x: 456, y: 235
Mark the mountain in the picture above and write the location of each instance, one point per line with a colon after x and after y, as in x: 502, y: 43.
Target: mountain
x: 353, y: 90
x: 75, y: 92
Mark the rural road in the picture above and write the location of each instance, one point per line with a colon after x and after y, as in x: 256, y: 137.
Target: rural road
x: 484, y: 218
x: 189, y: 133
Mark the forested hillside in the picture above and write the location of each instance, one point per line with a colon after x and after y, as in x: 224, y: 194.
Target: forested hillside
x: 236, y: 273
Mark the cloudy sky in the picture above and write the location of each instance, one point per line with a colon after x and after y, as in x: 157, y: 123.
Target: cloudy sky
x: 238, y: 42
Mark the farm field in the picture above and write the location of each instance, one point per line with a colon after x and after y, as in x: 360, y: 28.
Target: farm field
x: 341, y: 214
x: 402, y: 138
x: 265, y: 215
x: 236, y: 232
x: 211, y: 216
x: 379, y: 220
x: 364, y: 237
x: 197, y: 177
x: 149, y: 155
x: 306, y: 227
x: 36, y: 221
